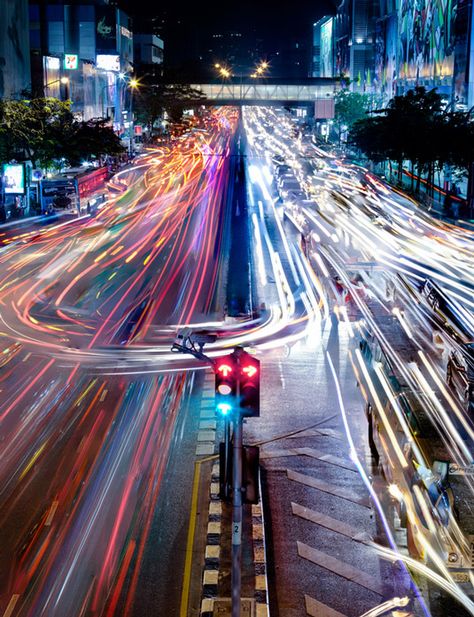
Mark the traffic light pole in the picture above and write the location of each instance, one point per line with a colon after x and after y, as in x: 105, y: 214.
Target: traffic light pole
x: 236, y: 575
x: 186, y: 343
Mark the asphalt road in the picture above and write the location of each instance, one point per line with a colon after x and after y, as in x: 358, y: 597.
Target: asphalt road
x: 350, y: 251
x: 97, y: 449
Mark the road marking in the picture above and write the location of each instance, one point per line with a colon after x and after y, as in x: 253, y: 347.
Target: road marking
x: 51, y: 513
x: 339, y: 567
x: 213, y: 528
x: 206, y: 436
x: 321, y: 432
x: 27, y: 356
x: 207, y: 425
x: 279, y: 453
x: 183, y: 611
x: 103, y: 395
x: 327, y: 458
x: 205, y: 448
x: 311, y: 452
x: 330, y: 523
x: 210, y: 577
x: 320, y: 485
x: 318, y: 609
x: 11, y: 605
x: 212, y: 551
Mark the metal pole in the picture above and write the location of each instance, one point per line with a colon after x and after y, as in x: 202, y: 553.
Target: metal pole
x: 130, y: 126
x: 236, y: 577
x: 227, y: 480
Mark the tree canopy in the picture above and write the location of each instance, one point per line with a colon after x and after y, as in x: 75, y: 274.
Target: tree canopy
x: 44, y: 131
x: 154, y: 99
x: 350, y: 107
x: 419, y: 128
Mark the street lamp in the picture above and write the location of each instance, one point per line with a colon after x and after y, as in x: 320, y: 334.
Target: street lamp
x: 133, y: 84
x: 62, y: 80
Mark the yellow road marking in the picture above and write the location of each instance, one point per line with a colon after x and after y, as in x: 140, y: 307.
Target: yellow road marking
x: 191, y: 533
x: 190, y: 541
x: 51, y: 513
x: 32, y: 461
x: 103, y: 395
x: 11, y: 605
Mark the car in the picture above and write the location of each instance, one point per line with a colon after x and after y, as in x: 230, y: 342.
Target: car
x: 460, y: 377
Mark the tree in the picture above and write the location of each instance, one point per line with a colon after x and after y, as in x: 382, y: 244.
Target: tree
x: 349, y: 107
x: 45, y: 132
x: 92, y: 140
x: 29, y: 129
x: 151, y: 101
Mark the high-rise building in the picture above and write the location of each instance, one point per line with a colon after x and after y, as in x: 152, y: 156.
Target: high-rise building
x: 148, y: 52
x: 390, y: 46
x: 15, y: 77
x: 354, y: 41
x: 81, y: 52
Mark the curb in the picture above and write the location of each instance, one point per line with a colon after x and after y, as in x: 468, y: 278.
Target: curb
x: 212, y: 555
x: 262, y: 608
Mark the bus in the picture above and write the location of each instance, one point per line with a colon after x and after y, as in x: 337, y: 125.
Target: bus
x: 81, y: 190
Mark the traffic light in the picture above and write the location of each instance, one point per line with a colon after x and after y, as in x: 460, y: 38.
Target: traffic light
x: 226, y: 384
x: 249, y: 368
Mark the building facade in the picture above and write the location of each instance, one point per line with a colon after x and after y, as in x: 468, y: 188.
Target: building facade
x: 387, y: 47
x: 148, y: 54
x: 82, y: 52
x: 15, y: 76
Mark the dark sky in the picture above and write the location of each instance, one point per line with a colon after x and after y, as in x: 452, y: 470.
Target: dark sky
x: 267, y: 26
x: 265, y: 15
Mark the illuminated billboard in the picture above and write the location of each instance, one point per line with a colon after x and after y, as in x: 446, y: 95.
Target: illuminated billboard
x: 326, y: 48
x: 71, y: 61
x: 427, y: 38
x: 14, y: 179
x: 52, y: 63
x: 108, y: 62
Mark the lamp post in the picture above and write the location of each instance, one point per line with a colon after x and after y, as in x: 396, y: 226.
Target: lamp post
x: 259, y: 71
x: 133, y: 84
x: 62, y: 80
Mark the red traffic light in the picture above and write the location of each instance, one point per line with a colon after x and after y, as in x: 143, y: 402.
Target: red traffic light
x: 224, y: 369
x: 226, y: 384
x: 249, y: 385
x: 250, y: 370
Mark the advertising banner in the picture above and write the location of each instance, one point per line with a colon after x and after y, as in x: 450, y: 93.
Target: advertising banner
x: 106, y: 29
x: 14, y: 179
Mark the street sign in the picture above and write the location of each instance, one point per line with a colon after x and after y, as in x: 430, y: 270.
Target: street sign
x: 71, y: 61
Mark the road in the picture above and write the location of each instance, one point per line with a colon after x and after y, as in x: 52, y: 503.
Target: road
x: 99, y: 418
x: 86, y: 515
x: 378, y: 333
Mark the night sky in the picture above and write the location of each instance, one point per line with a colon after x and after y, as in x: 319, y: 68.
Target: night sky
x: 264, y: 14
x: 271, y: 22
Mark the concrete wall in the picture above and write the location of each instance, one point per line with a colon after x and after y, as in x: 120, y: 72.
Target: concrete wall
x: 14, y: 48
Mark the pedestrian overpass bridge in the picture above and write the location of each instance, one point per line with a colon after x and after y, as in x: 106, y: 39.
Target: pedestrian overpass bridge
x: 268, y: 91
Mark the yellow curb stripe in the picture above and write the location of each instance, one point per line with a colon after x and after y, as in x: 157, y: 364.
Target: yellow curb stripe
x: 190, y: 542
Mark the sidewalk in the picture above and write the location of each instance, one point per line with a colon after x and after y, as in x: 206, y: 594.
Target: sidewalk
x: 434, y: 204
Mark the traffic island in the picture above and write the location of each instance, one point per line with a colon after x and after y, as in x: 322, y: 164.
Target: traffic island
x: 216, y: 580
